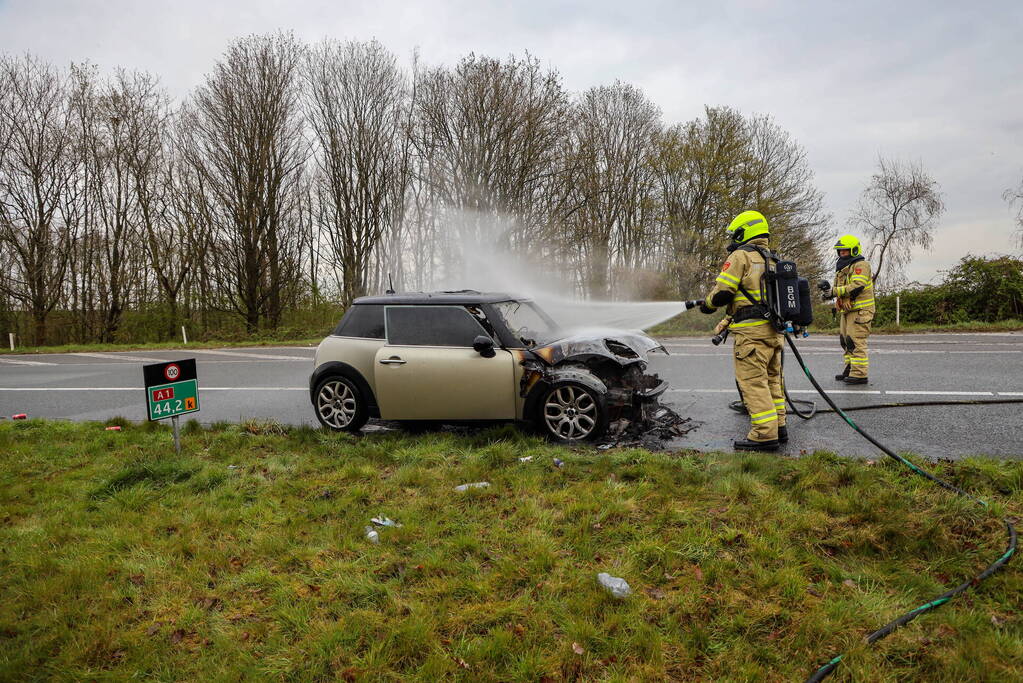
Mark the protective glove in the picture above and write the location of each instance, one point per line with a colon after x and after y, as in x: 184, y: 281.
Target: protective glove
x: 722, y: 325
x: 824, y: 286
x: 704, y: 308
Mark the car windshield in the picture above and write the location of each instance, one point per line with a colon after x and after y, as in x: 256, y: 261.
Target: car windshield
x: 528, y: 322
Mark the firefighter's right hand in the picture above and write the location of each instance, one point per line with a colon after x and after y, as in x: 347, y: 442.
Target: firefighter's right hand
x: 824, y: 286
x: 704, y: 308
x: 722, y: 325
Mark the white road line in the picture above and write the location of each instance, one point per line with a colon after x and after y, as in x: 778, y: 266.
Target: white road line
x: 835, y: 391
x: 201, y: 389
x: 261, y: 356
x: 111, y: 356
x: 1010, y: 393
x: 24, y: 362
x: 940, y: 393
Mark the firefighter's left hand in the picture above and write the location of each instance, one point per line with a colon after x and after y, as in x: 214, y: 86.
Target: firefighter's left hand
x: 704, y: 308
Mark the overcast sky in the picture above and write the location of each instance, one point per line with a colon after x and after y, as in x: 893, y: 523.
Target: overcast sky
x: 939, y: 82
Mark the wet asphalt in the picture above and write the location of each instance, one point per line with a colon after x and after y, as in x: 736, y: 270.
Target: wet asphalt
x: 272, y: 383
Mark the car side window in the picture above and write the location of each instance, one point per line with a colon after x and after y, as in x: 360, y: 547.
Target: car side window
x: 365, y: 321
x: 431, y: 326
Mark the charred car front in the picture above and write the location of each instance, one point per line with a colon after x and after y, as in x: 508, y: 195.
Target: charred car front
x: 458, y: 357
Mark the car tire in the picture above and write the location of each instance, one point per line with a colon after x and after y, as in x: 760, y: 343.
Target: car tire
x: 340, y: 405
x: 571, y: 412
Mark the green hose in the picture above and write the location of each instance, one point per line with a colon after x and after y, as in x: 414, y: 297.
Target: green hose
x: 826, y: 670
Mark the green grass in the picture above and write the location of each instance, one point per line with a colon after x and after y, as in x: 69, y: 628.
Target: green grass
x: 75, y: 348
x: 244, y: 558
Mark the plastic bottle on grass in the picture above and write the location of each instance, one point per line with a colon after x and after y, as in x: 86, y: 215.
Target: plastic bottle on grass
x: 371, y: 535
x: 475, y: 485
x: 614, y: 585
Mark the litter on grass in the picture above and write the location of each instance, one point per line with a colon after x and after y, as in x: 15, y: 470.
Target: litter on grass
x: 371, y: 535
x: 385, y: 521
x: 475, y: 485
x: 616, y: 586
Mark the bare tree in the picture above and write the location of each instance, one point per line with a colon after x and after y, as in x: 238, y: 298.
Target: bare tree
x: 1015, y: 198
x: 36, y: 169
x: 358, y: 106
x: 897, y: 212
x: 613, y: 137
x: 490, y: 138
x: 242, y: 138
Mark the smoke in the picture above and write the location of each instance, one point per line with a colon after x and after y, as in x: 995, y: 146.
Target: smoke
x: 483, y: 264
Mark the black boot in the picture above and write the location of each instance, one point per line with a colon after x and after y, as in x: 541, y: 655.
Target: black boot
x: 748, y: 445
x: 855, y: 380
x: 845, y: 373
x: 783, y: 435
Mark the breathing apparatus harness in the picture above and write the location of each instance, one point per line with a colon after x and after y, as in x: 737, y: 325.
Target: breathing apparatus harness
x: 787, y: 306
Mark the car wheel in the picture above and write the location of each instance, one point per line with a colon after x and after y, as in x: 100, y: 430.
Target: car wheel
x: 340, y: 405
x: 571, y: 412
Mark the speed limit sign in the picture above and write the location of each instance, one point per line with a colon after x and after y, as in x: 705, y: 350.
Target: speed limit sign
x: 172, y: 371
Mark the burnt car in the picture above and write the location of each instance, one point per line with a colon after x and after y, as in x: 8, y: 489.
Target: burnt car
x: 466, y: 356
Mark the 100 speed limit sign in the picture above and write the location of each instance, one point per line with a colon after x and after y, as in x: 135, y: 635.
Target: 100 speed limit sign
x: 172, y: 372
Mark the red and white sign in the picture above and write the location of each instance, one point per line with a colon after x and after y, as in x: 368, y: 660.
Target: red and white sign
x: 172, y: 372
x: 163, y: 394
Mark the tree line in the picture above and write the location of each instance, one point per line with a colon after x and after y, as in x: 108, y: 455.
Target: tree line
x: 297, y: 176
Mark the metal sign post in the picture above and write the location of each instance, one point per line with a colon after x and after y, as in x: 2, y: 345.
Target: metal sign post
x: 172, y: 389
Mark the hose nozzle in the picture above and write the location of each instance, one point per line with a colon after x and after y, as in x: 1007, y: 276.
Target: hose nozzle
x: 691, y: 304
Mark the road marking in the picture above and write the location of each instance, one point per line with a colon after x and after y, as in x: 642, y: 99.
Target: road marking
x: 940, y: 393
x: 24, y: 362
x: 143, y: 388
x: 130, y: 359
x: 837, y: 391
x: 261, y: 356
x: 1010, y: 393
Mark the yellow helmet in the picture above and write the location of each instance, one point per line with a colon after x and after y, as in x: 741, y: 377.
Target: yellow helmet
x: 848, y: 242
x: 747, y: 225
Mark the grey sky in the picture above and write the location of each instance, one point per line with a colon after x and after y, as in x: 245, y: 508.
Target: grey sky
x: 941, y: 82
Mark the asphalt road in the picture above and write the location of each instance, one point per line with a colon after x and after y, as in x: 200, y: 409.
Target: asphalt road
x: 272, y: 383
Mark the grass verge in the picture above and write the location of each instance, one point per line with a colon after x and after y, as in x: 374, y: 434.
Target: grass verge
x: 245, y: 558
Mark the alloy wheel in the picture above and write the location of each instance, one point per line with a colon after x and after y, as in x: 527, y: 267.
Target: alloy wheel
x: 570, y: 413
x: 336, y: 404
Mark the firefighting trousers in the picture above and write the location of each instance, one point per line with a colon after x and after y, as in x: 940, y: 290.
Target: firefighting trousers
x: 758, y: 374
x: 853, y: 331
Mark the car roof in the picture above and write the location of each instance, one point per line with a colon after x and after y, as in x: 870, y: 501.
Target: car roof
x: 461, y: 297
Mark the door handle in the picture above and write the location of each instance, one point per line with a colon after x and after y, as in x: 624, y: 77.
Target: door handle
x: 393, y: 360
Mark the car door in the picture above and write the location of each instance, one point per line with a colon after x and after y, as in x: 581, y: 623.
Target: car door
x: 428, y: 369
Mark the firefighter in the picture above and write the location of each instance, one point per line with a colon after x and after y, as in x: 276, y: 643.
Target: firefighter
x: 854, y: 300
x: 758, y: 345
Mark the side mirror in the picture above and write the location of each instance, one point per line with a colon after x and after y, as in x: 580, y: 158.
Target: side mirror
x: 484, y: 346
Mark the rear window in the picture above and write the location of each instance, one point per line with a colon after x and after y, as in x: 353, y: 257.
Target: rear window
x: 364, y: 321
x: 431, y: 326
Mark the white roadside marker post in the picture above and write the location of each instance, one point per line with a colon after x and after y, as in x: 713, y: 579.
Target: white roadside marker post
x: 898, y: 306
x: 177, y: 435
x: 10, y: 335
x: 184, y: 337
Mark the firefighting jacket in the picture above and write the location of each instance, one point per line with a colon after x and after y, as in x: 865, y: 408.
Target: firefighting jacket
x: 854, y: 287
x: 743, y: 265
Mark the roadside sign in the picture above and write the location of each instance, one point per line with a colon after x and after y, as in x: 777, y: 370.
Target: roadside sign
x: 172, y: 389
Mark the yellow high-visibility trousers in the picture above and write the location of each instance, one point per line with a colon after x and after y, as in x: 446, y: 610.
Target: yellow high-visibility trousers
x: 758, y: 374
x: 853, y: 330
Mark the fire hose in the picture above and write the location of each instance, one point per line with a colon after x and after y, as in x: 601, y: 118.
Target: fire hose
x: 827, y: 669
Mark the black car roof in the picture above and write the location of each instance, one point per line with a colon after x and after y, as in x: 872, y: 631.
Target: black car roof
x: 462, y: 298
